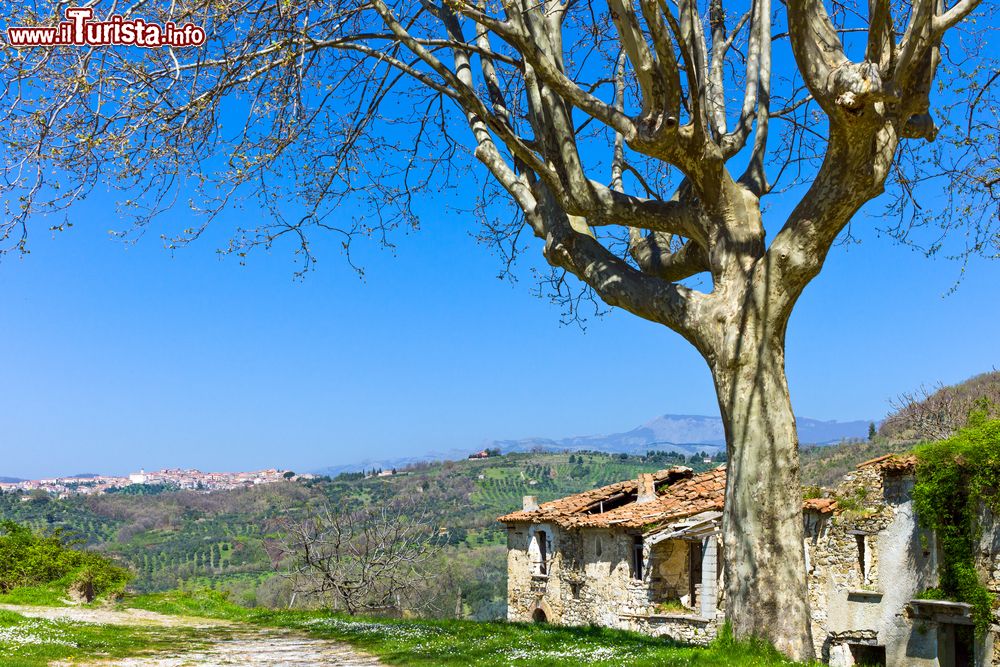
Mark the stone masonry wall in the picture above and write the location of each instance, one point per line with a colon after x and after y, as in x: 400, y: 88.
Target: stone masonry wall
x: 865, y: 563
x: 988, y: 562
x: 875, y: 531
x: 670, y: 576
x: 581, y: 587
x: 525, y: 588
x: 590, y: 581
x: 686, y: 629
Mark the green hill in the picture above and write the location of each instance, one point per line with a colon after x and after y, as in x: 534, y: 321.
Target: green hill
x: 920, y: 416
x: 824, y: 466
x: 934, y: 414
x: 220, y: 539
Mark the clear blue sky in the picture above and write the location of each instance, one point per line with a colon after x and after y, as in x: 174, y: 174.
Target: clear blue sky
x: 116, y: 358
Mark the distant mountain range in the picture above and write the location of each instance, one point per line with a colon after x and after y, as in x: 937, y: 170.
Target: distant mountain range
x: 682, y: 433
x: 678, y: 433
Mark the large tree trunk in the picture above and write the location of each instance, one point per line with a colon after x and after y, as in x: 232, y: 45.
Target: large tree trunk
x: 765, y: 576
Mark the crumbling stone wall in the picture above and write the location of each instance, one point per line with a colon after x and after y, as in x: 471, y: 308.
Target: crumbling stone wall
x: 875, y: 531
x: 988, y: 556
x: 681, y: 628
x: 865, y: 563
x: 670, y: 577
x: 590, y: 581
x: 581, y: 587
x: 988, y: 565
x: 525, y: 588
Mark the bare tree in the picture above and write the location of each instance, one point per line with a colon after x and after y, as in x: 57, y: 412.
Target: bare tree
x: 371, y: 559
x: 938, y: 413
x: 928, y: 414
x: 635, y: 139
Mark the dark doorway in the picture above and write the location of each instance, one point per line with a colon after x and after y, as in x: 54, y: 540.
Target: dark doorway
x: 965, y: 646
x: 868, y: 655
x: 694, y: 569
x: 956, y: 645
x: 539, y: 617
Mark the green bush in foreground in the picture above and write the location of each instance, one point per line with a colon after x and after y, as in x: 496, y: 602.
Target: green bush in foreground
x: 28, y: 559
x: 954, y: 478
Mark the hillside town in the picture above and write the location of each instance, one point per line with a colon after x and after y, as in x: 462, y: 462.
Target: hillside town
x: 172, y: 478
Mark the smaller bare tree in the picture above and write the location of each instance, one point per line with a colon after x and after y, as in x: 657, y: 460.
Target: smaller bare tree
x: 939, y: 412
x: 372, y: 559
x: 924, y: 414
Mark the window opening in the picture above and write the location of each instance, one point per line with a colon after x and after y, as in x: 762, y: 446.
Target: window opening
x: 637, y: 557
x: 543, y: 556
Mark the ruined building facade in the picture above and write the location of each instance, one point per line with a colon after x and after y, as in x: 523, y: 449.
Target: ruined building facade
x: 645, y: 555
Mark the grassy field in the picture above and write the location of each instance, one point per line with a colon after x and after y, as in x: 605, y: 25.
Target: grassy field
x: 31, y: 642
x: 464, y: 643
x: 43, y: 595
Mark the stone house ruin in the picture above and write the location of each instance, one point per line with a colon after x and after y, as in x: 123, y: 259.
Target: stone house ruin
x: 640, y: 554
x: 869, y: 561
x: 645, y: 555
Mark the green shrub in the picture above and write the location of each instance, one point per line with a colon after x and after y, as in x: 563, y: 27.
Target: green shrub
x: 809, y: 492
x: 99, y: 572
x: 855, y: 502
x: 954, y: 477
x: 31, y: 559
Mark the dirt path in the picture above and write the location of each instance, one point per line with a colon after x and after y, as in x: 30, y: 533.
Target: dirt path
x: 115, y: 616
x: 268, y: 649
x: 228, y: 643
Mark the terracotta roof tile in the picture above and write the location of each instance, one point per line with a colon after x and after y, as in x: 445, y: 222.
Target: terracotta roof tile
x: 694, y: 495
x: 892, y: 463
x: 822, y: 505
x: 559, y: 511
x: 680, y: 494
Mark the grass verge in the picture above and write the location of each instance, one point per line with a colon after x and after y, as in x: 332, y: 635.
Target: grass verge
x: 43, y: 595
x: 462, y: 643
x: 32, y: 642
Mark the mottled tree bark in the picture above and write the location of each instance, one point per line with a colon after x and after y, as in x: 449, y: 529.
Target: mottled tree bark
x: 765, y: 583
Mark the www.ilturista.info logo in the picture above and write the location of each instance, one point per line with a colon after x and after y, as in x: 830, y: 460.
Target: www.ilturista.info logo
x: 80, y: 29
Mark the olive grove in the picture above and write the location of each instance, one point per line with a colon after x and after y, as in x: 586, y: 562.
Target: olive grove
x: 637, y: 140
